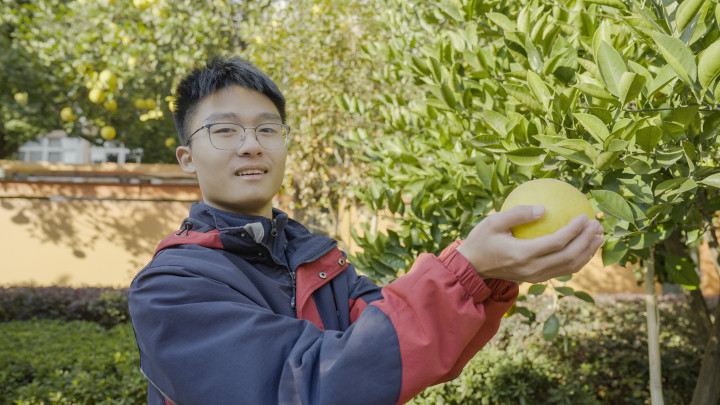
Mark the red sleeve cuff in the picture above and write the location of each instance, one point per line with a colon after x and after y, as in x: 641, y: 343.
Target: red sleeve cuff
x: 469, y: 278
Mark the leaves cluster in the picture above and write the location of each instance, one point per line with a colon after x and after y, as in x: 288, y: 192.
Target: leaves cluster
x: 616, y: 98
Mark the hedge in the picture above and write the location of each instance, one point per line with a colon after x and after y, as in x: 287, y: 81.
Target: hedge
x: 105, y: 306
x: 75, y: 362
x: 599, y: 356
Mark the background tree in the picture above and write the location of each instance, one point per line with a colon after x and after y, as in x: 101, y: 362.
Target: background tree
x: 617, y: 98
x: 84, y: 65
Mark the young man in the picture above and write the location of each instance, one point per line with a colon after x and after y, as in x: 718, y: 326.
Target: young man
x: 244, y: 306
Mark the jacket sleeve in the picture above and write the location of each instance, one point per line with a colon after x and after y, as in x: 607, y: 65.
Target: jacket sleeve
x: 202, y: 341
x: 443, y: 313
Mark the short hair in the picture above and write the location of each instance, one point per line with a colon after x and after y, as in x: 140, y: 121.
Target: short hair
x: 219, y: 73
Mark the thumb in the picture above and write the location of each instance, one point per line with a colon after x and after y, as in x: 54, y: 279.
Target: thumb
x: 520, y: 214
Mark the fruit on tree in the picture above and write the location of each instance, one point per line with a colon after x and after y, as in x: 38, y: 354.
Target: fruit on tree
x: 96, y: 95
x: 111, y: 105
x: 108, y: 78
x: 562, y: 203
x: 66, y: 114
x: 170, y: 142
x: 108, y: 132
x: 21, y: 98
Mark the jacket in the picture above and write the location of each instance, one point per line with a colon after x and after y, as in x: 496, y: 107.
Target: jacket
x: 221, y: 317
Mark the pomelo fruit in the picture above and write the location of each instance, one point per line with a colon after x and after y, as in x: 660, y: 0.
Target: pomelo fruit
x: 562, y: 203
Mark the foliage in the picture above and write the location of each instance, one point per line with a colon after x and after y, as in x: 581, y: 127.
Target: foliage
x: 309, y: 48
x: 105, y: 306
x: 52, y: 361
x: 312, y: 50
x: 57, y: 62
x: 597, y: 359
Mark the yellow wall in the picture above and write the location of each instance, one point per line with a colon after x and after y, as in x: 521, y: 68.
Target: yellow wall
x: 80, y: 242
x: 94, y: 234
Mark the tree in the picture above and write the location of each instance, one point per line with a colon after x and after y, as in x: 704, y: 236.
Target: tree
x: 617, y: 98
x: 107, y: 63
x: 312, y: 49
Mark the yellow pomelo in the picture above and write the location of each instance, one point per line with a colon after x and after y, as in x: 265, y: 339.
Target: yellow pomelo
x: 108, y: 132
x: 562, y: 203
x: 21, y: 98
x: 66, y: 114
x: 108, y: 78
x: 96, y: 95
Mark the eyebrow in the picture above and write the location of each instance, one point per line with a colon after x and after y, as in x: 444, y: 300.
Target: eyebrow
x: 234, y: 117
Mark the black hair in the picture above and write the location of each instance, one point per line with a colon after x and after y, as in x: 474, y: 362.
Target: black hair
x: 217, y: 74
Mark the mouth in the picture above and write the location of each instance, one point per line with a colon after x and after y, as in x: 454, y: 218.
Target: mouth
x: 250, y: 172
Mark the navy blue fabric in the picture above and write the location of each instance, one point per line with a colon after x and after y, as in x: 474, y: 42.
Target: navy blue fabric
x: 215, y: 326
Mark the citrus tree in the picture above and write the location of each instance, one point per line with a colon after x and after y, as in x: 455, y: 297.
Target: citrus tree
x: 312, y: 50
x: 105, y: 70
x: 618, y: 98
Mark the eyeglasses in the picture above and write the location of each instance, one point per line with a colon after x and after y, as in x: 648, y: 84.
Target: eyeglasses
x: 230, y: 136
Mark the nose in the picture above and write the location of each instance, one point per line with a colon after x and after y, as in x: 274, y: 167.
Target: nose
x: 249, y: 144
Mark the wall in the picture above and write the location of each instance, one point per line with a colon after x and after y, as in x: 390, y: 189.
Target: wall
x: 101, y: 234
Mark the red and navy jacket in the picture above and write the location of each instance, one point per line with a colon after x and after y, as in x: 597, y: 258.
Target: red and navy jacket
x: 221, y: 317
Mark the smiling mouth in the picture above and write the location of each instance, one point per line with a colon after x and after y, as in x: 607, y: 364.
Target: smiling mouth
x: 250, y: 172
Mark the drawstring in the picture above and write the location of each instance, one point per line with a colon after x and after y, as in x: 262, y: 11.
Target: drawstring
x: 186, y: 226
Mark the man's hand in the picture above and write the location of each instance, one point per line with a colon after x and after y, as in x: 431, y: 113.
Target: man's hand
x: 496, y: 253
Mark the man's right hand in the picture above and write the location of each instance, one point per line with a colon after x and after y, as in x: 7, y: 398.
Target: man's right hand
x: 495, y: 253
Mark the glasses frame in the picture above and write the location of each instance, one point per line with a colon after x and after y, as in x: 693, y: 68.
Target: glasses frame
x: 242, y: 141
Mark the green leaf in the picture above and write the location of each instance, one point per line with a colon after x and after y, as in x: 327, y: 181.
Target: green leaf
x: 538, y: 88
x: 630, y: 86
x: 450, y: 10
x: 584, y: 296
x: 682, y: 270
x: 528, y: 156
x: 448, y: 96
x: 537, y: 289
x: 498, y: 122
x: 613, y: 251
x: 614, y: 204
x: 502, y: 21
x: 551, y: 328
x: 678, y: 56
x: 565, y: 290
x: 611, y: 66
x: 712, y: 180
x: 593, y: 125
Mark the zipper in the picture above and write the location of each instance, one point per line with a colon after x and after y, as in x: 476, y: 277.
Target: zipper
x: 291, y: 273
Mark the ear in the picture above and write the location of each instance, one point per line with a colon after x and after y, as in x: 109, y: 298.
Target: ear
x: 184, y: 157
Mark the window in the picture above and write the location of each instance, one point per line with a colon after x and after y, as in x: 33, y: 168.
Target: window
x: 54, y: 142
x: 55, y: 157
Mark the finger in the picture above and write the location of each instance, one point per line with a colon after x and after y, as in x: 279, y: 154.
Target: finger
x: 576, y: 254
x: 547, y: 244
x: 520, y: 214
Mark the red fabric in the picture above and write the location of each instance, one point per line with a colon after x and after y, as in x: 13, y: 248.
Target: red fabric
x: 457, y: 315
x: 209, y: 239
x: 357, y: 306
x: 312, y: 276
x: 167, y: 402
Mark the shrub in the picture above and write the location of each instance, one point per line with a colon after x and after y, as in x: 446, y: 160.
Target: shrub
x: 600, y: 357
x: 105, y: 306
x: 77, y: 362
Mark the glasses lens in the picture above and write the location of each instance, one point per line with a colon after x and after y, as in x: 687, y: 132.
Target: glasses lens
x: 271, y: 135
x: 226, y: 136
x: 230, y: 136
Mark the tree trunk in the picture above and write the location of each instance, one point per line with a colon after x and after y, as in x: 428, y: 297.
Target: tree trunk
x: 653, y: 326
x: 699, y: 312
x: 707, y: 389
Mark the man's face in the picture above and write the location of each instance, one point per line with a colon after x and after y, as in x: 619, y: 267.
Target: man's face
x: 243, y: 180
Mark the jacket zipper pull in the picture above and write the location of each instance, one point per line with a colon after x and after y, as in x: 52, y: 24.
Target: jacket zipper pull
x: 292, y: 302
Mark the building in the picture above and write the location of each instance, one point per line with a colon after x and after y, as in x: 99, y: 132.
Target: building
x: 58, y: 147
